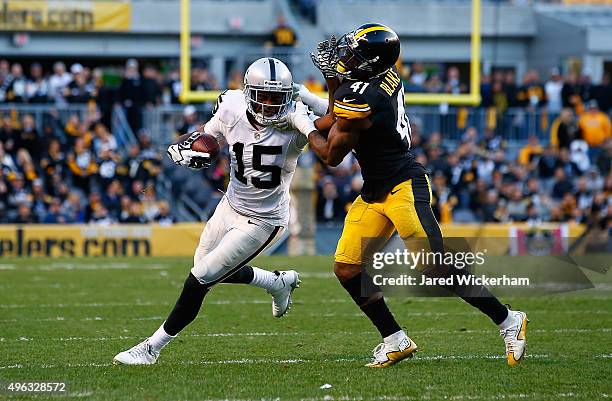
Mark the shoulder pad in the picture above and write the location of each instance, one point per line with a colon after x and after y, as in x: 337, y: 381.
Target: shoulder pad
x: 350, y: 103
x: 230, y: 106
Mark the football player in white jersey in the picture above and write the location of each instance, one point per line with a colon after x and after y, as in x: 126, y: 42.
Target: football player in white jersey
x: 254, y: 211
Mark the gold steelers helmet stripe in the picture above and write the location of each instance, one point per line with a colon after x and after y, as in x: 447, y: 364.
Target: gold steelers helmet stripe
x: 371, y: 29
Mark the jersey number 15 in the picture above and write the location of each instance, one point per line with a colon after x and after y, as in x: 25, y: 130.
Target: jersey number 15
x: 258, y: 152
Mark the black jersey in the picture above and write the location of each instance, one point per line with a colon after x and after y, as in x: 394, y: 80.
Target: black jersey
x: 383, y: 151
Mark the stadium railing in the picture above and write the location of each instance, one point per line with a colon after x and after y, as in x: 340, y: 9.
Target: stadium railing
x: 121, y: 128
x: 161, y: 122
x: 45, y: 114
x: 56, y: 116
x: 515, y: 125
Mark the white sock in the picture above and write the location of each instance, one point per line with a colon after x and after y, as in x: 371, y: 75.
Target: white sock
x: 508, y: 322
x: 160, y: 339
x: 263, y: 278
x: 395, y: 338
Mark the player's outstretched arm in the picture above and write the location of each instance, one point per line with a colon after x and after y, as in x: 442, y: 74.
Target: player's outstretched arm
x: 343, y: 137
x: 320, y: 106
x: 316, y: 103
x: 343, y: 133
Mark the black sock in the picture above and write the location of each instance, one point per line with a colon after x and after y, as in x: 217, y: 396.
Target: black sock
x: 187, y: 306
x: 489, y: 306
x: 480, y: 297
x: 376, y: 311
x: 243, y: 276
x: 381, y: 317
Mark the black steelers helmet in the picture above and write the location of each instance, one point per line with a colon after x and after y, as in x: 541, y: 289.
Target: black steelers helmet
x: 367, y: 51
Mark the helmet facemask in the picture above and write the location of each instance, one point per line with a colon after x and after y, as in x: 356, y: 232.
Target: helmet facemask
x: 350, y: 64
x: 268, y: 103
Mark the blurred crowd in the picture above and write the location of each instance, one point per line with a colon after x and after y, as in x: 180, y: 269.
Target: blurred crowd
x: 567, y: 177
x: 138, y: 87
x: 78, y: 176
x: 502, y: 89
x: 482, y: 180
x: 75, y: 171
x: 148, y: 86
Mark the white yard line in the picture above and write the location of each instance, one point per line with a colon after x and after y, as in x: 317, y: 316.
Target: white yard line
x: 84, y: 319
x: 319, y: 315
x: 471, y: 313
x: 129, y: 304
x: 94, y: 266
x: 251, y: 334
x: 302, y: 334
x: 425, y: 396
x: 265, y: 301
x: 80, y: 305
x: 78, y: 394
x: 67, y: 286
x: 249, y: 361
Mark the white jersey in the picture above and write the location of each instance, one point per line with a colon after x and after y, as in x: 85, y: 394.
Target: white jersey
x: 262, y: 161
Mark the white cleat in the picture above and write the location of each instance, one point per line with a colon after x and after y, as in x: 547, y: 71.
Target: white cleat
x: 140, y: 354
x: 515, y: 338
x: 285, y: 283
x: 390, y: 354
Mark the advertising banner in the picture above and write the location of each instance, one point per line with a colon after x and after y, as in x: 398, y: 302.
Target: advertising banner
x: 181, y: 239
x: 65, y: 16
x: 99, y: 241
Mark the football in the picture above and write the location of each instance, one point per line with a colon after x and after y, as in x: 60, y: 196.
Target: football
x: 205, y: 143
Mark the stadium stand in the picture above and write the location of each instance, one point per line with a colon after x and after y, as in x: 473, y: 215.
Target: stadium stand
x: 70, y: 167
x: 84, y: 142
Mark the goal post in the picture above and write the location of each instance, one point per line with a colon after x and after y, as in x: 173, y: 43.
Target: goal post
x: 471, y: 99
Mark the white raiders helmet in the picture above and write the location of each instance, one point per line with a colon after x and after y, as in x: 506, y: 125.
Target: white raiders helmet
x: 268, y: 86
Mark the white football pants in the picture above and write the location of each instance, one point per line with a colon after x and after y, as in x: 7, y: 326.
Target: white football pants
x: 228, y: 242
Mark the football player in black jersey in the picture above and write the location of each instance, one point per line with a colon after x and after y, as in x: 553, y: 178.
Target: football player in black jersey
x: 366, y: 115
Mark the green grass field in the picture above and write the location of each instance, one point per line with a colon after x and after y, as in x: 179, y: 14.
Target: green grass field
x: 63, y: 320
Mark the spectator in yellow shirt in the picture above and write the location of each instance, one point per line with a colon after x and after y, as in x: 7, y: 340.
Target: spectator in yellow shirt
x: 283, y: 35
x: 595, y: 125
x: 530, y: 150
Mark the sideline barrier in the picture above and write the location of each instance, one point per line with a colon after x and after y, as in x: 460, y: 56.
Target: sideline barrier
x: 99, y: 241
x: 503, y: 230
x: 176, y: 240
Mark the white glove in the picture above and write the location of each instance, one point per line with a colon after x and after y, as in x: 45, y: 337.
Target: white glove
x: 299, y: 119
x: 315, y: 102
x: 283, y: 124
x: 182, y: 154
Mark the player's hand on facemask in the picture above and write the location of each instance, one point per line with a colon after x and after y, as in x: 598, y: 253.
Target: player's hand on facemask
x: 317, y: 104
x: 300, y: 119
x: 299, y: 92
x: 283, y: 124
x: 182, y: 154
